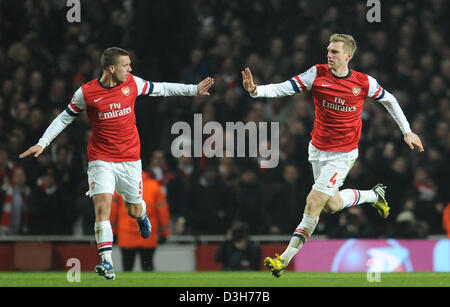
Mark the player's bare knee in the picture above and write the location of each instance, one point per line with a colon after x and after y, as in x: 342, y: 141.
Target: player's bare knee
x: 102, y: 205
x: 314, y: 202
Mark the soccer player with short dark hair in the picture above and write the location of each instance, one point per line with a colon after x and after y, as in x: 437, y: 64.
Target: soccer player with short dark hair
x: 114, y: 147
x: 338, y: 94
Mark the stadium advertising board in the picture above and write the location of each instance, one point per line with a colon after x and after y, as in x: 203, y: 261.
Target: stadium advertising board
x: 386, y: 255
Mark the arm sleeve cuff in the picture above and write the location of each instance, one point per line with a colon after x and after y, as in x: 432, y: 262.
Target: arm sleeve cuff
x: 274, y: 90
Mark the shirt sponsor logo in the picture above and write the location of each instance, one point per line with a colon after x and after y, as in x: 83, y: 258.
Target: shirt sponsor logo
x: 114, y: 113
x: 338, y: 107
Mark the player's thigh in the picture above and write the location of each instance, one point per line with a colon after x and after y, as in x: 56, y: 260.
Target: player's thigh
x: 316, y: 168
x: 129, y: 181
x: 331, y: 175
x: 101, y: 178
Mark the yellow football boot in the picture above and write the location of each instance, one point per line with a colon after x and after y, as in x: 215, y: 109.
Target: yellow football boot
x: 276, y: 265
x: 381, y: 204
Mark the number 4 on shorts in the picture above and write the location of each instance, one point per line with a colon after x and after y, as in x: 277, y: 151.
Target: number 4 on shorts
x: 333, y: 179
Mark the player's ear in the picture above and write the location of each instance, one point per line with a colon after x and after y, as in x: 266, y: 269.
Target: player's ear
x: 349, y: 56
x: 111, y: 69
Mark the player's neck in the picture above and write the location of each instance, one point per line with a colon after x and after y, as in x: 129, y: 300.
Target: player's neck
x: 340, y: 71
x: 108, y: 80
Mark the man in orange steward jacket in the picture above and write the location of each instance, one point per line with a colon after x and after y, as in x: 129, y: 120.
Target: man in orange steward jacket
x: 124, y: 227
x: 446, y: 220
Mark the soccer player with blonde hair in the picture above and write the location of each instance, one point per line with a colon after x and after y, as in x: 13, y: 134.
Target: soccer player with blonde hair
x: 338, y: 93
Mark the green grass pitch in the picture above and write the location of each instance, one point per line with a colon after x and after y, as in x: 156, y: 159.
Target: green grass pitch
x: 224, y: 279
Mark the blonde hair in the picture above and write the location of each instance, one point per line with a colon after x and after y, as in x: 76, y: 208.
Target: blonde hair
x: 348, y: 40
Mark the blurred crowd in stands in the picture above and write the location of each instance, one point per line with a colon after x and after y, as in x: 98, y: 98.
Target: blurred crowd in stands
x: 44, y: 59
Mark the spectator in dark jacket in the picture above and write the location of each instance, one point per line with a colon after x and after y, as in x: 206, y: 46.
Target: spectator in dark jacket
x: 238, y: 252
x: 50, y: 209
x: 287, y: 202
x: 211, y: 203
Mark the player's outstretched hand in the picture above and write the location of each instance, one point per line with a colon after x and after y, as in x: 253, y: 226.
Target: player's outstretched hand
x: 36, y: 150
x: 204, y: 86
x: 413, y: 141
x: 247, y: 81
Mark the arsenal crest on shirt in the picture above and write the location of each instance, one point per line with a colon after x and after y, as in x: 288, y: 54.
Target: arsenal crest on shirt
x: 356, y: 90
x: 126, y: 90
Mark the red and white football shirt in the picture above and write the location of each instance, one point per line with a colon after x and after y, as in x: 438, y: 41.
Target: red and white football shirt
x: 338, y: 103
x: 110, y: 110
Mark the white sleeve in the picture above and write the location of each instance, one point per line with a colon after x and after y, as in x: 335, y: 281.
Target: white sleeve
x: 297, y: 84
x: 65, y: 118
x: 77, y: 104
x: 55, y: 128
x: 142, y: 85
x: 173, y: 89
x: 375, y: 89
x: 164, y: 89
x: 377, y: 92
x: 390, y: 103
x: 274, y: 90
x: 304, y: 81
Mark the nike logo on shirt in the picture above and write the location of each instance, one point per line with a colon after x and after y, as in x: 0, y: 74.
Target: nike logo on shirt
x: 98, y: 99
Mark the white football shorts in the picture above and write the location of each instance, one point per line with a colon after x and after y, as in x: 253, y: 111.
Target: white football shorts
x: 330, y: 168
x: 124, y: 177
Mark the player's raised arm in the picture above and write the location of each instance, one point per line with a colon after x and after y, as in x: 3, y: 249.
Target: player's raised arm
x: 297, y: 84
x: 166, y: 89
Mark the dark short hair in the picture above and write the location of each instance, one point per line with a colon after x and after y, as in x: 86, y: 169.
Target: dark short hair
x: 110, y: 55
